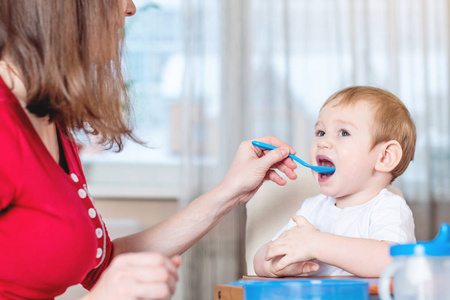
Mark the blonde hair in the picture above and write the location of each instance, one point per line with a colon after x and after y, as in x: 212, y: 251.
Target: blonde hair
x: 392, y: 120
x: 68, y: 53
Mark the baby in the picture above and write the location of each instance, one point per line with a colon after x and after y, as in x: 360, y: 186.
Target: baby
x: 367, y: 134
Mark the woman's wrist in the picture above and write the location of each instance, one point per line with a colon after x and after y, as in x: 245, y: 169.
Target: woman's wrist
x: 223, y: 196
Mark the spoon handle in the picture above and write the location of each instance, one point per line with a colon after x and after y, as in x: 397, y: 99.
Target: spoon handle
x: 319, y: 169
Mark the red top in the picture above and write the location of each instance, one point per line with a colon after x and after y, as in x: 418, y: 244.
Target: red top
x: 51, y: 236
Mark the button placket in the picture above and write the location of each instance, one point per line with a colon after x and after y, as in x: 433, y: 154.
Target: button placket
x: 84, y: 194
x: 101, y: 250
x: 99, y: 225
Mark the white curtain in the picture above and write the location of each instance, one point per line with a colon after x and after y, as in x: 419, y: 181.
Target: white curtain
x: 265, y: 67
x: 206, y: 142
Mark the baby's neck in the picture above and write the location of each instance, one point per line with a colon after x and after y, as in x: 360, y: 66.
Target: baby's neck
x: 358, y: 198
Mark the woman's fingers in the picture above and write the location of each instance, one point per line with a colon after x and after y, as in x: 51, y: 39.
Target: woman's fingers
x: 144, y: 275
x: 275, y: 177
x: 176, y: 260
x: 274, y: 157
x: 278, y: 158
x: 286, y: 166
x: 252, y: 165
x: 155, y: 291
x: 276, y: 142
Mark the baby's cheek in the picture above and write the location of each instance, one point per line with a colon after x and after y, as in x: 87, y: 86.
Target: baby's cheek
x: 312, y: 154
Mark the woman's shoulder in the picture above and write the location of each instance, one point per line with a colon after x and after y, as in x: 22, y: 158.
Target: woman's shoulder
x: 9, y: 105
x: 10, y: 116
x: 10, y: 151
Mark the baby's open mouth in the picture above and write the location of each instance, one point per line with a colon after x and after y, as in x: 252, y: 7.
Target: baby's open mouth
x: 324, y: 162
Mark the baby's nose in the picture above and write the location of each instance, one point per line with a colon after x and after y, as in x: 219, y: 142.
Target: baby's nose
x: 324, y: 143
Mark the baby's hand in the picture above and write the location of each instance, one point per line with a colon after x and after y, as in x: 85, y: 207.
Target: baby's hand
x: 295, y: 269
x: 294, y: 246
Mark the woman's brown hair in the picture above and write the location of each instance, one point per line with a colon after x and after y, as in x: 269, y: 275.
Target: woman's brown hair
x: 68, y: 54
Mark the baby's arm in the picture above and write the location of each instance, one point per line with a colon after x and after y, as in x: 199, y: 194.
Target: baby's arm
x: 362, y: 257
x: 268, y: 268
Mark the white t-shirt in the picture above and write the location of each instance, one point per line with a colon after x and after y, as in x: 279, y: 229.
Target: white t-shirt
x: 386, y: 217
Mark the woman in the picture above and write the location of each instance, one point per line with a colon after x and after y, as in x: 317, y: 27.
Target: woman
x: 60, y: 74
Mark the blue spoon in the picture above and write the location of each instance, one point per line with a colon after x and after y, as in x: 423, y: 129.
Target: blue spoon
x: 318, y: 169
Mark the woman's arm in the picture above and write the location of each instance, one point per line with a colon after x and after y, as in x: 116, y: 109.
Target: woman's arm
x: 182, y: 230
x: 247, y: 173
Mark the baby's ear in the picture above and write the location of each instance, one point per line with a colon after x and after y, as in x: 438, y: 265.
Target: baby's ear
x: 390, y: 155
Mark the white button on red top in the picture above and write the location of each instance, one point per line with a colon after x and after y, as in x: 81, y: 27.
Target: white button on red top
x: 92, y: 213
x: 98, y: 223
x: 99, y: 252
x: 74, y: 177
x: 99, y: 232
x: 82, y: 193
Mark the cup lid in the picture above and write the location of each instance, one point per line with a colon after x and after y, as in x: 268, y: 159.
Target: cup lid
x: 440, y: 246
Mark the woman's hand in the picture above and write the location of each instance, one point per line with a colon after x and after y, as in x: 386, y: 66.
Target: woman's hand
x: 145, y: 275
x: 252, y: 165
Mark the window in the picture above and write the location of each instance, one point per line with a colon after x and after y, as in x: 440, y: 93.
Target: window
x: 154, y: 64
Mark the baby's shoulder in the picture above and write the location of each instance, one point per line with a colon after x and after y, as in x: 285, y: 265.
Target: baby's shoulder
x: 387, y: 198
x: 388, y: 203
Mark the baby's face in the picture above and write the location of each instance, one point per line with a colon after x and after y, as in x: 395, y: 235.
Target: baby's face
x: 343, y: 139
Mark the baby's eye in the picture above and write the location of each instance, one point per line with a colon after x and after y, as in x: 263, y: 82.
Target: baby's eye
x: 320, y: 133
x: 344, y: 133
